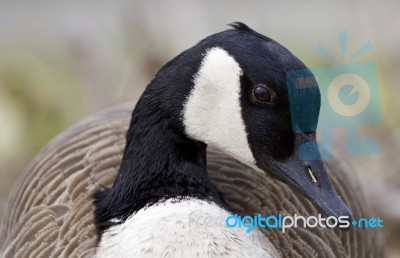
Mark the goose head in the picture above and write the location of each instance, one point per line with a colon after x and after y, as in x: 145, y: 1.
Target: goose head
x: 230, y: 91
x: 242, y: 101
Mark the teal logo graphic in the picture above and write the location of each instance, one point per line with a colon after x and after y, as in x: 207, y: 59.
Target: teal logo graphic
x: 350, y: 99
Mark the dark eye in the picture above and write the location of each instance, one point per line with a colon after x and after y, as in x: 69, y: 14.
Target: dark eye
x: 262, y: 93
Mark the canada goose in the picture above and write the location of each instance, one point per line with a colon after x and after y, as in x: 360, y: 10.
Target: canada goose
x: 208, y: 89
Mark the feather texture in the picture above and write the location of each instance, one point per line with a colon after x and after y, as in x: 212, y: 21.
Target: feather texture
x: 50, y: 211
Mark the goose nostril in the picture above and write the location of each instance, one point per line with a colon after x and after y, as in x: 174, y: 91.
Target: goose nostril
x: 313, y: 177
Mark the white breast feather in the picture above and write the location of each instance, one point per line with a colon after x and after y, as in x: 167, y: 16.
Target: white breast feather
x: 186, y: 228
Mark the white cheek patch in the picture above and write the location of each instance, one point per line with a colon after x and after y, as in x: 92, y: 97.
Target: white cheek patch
x: 212, y: 113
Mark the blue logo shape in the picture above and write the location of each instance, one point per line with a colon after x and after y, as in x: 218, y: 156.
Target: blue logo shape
x: 349, y: 98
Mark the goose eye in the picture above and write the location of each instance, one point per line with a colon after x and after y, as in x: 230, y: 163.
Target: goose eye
x: 262, y: 93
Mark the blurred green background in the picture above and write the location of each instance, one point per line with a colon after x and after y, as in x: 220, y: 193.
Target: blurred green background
x: 62, y: 61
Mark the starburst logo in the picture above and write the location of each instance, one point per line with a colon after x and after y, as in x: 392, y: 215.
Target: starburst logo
x: 349, y: 95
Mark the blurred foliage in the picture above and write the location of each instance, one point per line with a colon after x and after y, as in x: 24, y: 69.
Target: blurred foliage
x: 37, y: 97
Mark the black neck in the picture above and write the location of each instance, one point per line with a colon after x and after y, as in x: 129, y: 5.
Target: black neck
x: 159, y: 162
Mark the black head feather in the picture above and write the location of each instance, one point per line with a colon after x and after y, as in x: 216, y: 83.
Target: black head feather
x: 240, y: 26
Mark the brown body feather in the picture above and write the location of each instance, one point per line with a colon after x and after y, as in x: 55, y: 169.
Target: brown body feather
x: 50, y: 211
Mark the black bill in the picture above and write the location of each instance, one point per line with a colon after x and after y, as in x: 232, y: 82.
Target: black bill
x: 306, y: 173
